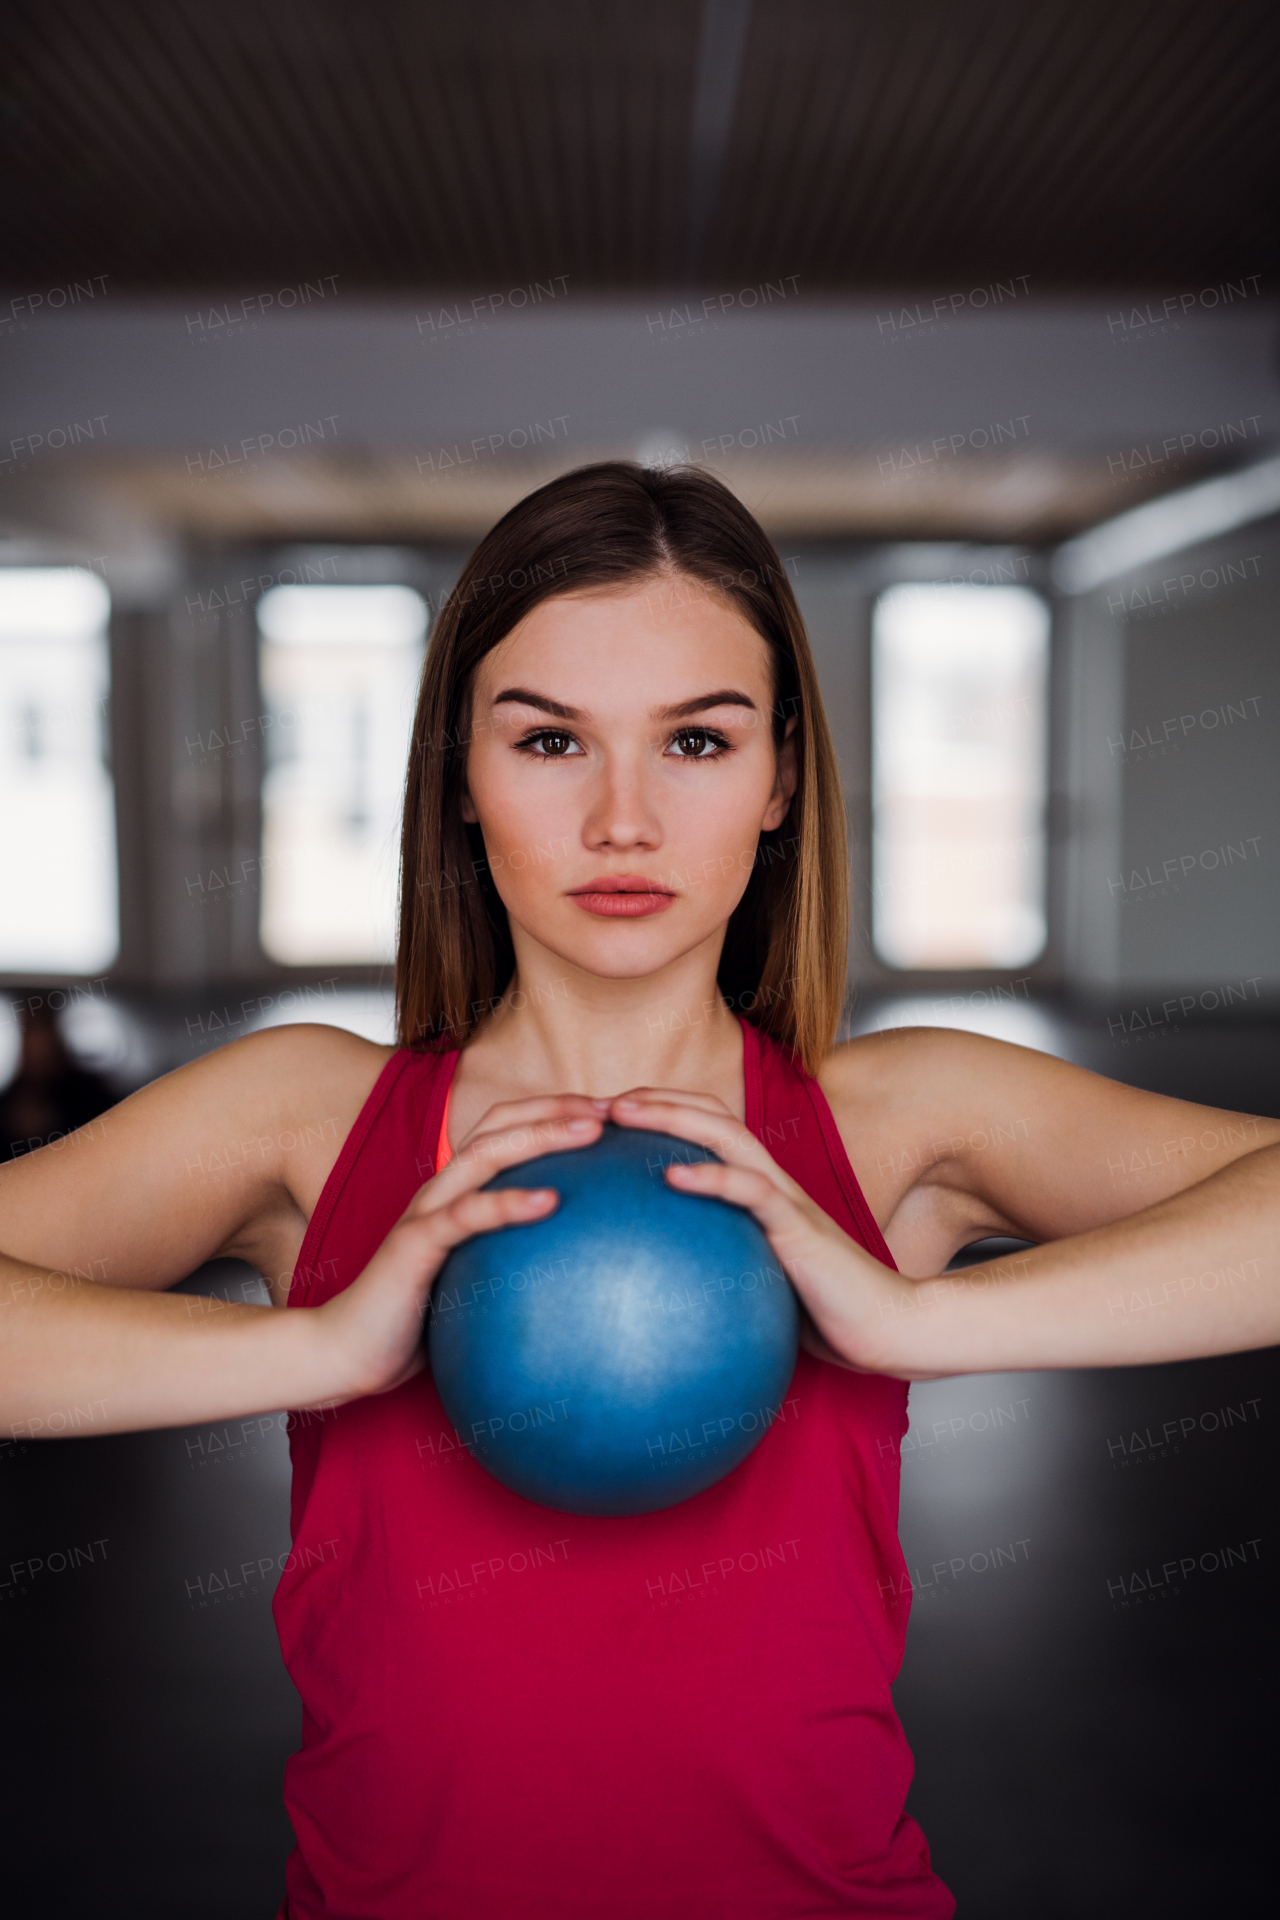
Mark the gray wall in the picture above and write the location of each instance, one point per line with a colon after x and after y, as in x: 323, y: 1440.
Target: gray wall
x: 618, y: 374
x: 1174, y: 679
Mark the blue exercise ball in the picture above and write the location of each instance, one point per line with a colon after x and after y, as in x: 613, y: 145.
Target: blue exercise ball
x: 625, y: 1352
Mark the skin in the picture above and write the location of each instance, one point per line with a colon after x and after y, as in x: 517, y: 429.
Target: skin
x: 1138, y: 1199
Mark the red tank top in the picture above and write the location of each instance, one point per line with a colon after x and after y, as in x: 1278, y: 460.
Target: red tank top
x: 512, y: 1711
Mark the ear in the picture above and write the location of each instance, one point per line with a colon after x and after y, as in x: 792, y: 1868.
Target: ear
x: 784, y: 785
x: 469, y: 813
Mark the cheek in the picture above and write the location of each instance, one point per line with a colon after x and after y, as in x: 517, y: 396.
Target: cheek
x: 528, y: 828
x: 718, y: 853
x: 517, y: 807
x: 720, y: 811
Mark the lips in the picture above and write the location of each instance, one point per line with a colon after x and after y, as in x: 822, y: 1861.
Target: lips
x: 623, y: 896
x: 623, y: 883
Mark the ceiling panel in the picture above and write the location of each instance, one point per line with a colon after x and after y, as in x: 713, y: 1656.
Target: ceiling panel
x: 491, y: 143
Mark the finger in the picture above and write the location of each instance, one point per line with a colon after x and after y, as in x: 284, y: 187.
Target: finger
x: 679, y: 1096
x: 721, y: 1131
x: 661, y: 1106
x: 549, y: 1106
x: 438, y: 1231
x: 745, y: 1187
x: 378, y: 1319
x: 485, y: 1153
x: 508, y: 1116
x: 488, y: 1153
x: 813, y: 1251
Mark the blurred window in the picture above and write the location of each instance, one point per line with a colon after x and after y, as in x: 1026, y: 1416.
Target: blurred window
x: 339, y: 669
x: 959, y: 756
x: 59, y: 902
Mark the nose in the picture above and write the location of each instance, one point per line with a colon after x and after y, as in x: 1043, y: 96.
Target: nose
x: 622, y: 813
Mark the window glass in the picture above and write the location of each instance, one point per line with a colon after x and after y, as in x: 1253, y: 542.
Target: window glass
x: 59, y: 900
x: 959, y: 750
x: 339, y: 668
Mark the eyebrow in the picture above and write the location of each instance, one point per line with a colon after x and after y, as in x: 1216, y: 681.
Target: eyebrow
x: 683, y: 710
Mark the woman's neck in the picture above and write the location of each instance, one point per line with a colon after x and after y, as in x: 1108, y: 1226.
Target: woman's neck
x: 560, y: 1030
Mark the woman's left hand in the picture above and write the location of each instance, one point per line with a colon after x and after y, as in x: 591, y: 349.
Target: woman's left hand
x: 847, y: 1294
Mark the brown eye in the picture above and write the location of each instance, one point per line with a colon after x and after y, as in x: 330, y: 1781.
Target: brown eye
x: 696, y: 744
x: 555, y: 745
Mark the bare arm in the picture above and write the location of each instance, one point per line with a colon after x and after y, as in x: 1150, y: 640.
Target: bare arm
x: 215, y: 1159
x: 1160, y: 1218
x: 1193, y: 1275
x: 955, y: 1137
x: 226, y: 1156
x: 100, y: 1359
x: 95, y: 1226
x: 1124, y: 1277
x: 111, y: 1360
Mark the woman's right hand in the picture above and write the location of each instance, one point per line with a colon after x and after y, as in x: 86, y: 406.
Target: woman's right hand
x: 373, y: 1328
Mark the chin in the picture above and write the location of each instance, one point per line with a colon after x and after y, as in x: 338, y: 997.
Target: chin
x: 612, y: 951
x: 627, y: 960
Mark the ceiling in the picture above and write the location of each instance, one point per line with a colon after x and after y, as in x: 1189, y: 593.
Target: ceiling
x: 384, y: 495
x: 854, y: 144
x: 885, y: 160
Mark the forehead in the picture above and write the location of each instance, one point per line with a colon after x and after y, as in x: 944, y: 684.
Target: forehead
x: 668, y: 628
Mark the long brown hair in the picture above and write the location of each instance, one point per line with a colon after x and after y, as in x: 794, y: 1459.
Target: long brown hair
x: 783, y: 961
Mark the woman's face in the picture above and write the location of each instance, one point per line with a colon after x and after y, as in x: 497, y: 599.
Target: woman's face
x: 622, y: 768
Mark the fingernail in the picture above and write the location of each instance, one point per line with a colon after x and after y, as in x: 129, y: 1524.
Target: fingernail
x: 601, y: 1106
x: 626, y: 1104
x: 580, y: 1126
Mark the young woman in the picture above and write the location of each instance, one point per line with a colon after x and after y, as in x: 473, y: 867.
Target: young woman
x: 624, y: 896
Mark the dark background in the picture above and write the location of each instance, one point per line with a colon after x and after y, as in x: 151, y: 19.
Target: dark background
x: 1084, y: 1747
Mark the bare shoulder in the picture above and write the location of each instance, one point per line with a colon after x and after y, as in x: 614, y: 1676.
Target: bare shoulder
x: 290, y: 1076
x: 901, y: 1098
x: 921, y: 1069
x: 226, y: 1154
x: 942, y: 1075
x: 285, y: 1099
x: 1047, y: 1148
x: 304, y: 1061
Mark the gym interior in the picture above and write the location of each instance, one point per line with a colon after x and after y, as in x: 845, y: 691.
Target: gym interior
x: 975, y: 308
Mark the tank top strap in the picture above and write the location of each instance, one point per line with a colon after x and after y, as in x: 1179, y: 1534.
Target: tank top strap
x: 790, y: 1115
